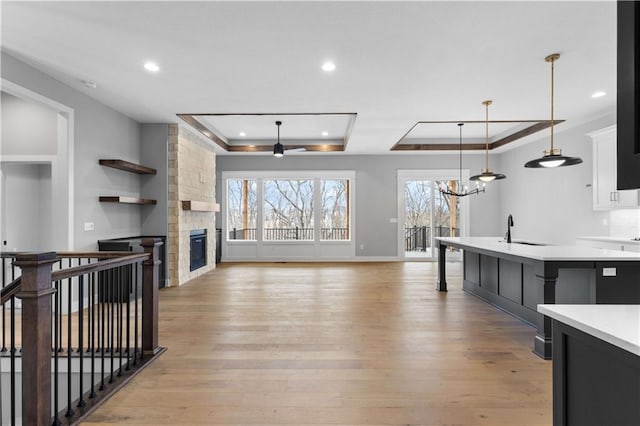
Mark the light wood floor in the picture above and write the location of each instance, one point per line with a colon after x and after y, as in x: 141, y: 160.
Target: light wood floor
x: 352, y: 343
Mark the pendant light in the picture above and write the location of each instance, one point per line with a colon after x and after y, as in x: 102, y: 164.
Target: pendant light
x: 278, y: 149
x: 448, y: 191
x: 553, y: 157
x: 487, y: 175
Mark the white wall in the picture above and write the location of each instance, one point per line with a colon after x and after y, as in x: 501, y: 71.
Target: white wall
x: 26, y: 207
x: 625, y: 223
x: 28, y: 128
x: 376, y: 190
x: 553, y: 205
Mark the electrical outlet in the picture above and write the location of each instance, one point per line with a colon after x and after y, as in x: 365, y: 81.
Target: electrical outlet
x: 88, y: 226
x: 361, y: 246
x: 608, y: 272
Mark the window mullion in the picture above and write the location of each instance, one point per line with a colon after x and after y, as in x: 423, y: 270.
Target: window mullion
x: 317, y: 210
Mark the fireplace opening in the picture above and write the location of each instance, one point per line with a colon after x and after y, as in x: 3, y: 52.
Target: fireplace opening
x: 198, y: 256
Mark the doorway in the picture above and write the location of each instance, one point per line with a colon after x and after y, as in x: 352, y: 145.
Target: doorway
x: 425, y: 213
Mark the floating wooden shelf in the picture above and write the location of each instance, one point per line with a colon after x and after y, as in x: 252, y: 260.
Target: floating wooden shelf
x: 126, y: 200
x: 128, y: 167
x: 200, y: 206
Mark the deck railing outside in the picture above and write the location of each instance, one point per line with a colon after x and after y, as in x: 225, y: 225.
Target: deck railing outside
x: 287, y: 234
x: 418, y: 238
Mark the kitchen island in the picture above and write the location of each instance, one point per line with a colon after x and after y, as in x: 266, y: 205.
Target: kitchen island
x: 518, y: 276
x: 596, y: 364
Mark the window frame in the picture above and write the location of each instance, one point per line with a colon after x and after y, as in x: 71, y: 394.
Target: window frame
x: 316, y: 176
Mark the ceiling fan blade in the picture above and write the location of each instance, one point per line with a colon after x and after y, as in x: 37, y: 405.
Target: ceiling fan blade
x: 300, y: 149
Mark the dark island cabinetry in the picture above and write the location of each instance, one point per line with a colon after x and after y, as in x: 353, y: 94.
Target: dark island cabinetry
x: 517, y: 277
x: 596, y: 364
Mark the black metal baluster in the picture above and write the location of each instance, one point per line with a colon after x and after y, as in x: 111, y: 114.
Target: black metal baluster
x: 92, y: 297
x: 135, y: 320
x: 112, y: 325
x: 134, y: 282
x: 81, y: 402
x: 70, y: 411
x: 12, y: 352
x: 56, y: 318
x: 12, y: 348
x: 60, y: 299
x: 101, y: 297
x: 4, y: 267
x: 121, y: 291
x: 80, y: 313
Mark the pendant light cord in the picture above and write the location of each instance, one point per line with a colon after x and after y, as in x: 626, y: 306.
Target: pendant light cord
x: 486, y: 137
x: 552, y: 60
x: 460, y: 126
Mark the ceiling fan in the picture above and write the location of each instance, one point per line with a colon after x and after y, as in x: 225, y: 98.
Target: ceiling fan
x: 278, y: 148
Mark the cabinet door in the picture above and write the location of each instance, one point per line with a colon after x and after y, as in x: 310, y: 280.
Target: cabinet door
x: 604, y: 170
x: 606, y: 196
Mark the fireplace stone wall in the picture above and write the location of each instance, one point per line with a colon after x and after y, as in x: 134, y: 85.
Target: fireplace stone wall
x: 192, y: 176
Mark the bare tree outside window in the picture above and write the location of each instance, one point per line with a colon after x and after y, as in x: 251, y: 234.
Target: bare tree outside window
x: 242, y: 209
x: 427, y: 210
x: 335, y: 209
x: 288, y: 209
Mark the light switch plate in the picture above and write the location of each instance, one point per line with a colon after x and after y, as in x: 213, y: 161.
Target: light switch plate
x: 608, y: 272
x: 88, y: 226
x: 393, y: 220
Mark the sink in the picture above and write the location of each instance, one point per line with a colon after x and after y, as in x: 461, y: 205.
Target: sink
x: 527, y: 243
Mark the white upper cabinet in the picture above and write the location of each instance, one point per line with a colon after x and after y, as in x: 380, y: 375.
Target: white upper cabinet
x: 606, y: 196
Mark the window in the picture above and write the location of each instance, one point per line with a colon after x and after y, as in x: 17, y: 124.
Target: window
x: 288, y: 209
x: 242, y: 209
x: 310, y: 206
x: 334, y: 223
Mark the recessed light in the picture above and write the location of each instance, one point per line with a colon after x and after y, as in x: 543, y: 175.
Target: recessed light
x: 151, y: 66
x: 242, y: 134
x: 598, y: 94
x: 328, y: 66
x: 325, y: 133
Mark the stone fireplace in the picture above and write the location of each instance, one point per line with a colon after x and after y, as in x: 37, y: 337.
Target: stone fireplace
x: 192, y: 180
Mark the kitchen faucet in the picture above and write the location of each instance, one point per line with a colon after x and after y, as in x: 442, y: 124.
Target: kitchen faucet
x: 509, y: 225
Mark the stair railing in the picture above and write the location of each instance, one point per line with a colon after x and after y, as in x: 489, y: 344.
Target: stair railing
x: 94, y: 324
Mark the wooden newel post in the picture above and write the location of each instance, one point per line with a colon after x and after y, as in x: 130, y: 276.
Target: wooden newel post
x: 36, y: 336
x: 150, y: 275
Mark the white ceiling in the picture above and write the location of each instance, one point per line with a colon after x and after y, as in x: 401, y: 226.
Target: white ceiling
x: 397, y: 62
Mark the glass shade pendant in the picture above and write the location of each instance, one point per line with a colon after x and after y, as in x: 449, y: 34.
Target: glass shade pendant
x: 487, y: 175
x: 553, y: 157
x: 278, y: 149
x: 446, y: 190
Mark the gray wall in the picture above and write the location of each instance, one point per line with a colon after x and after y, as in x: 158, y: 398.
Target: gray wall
x: 100, y: 132
x: 27, y: 128
x: 376, y: 190
x: 553, y: 205
x: 154, y: 153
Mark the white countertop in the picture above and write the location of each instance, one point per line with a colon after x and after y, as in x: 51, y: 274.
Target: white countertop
x: 622, y: 240
x: 615, y: 324
x: 546, y: 253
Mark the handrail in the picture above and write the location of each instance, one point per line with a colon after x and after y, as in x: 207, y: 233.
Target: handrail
x: 75, y: 254
x: 63, y: 274
x: 10, y: 290
x: 113, y: 262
